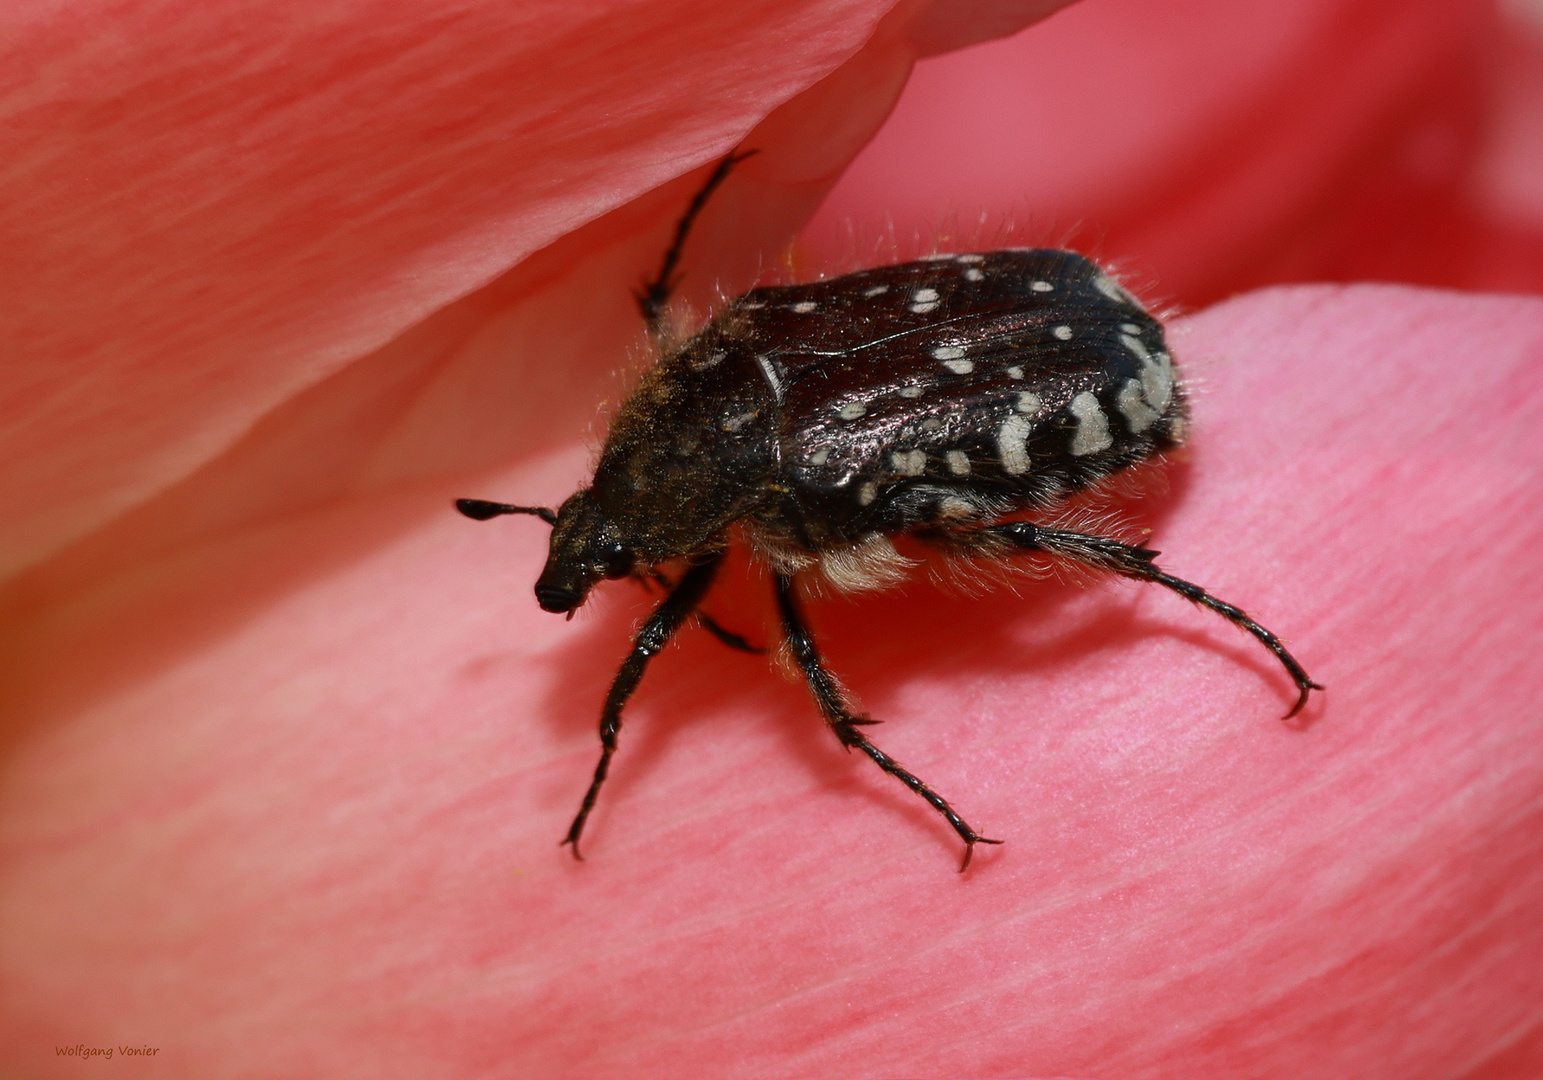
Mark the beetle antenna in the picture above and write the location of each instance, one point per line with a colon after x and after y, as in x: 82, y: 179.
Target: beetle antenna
x: 482, y: 510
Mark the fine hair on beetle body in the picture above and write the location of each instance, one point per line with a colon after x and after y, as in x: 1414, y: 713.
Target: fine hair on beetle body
x: 975, y: 403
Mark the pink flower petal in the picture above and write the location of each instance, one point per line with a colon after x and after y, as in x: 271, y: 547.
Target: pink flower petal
x: 1208, y: 147
x: 290, y: 748
x: 331, y: 833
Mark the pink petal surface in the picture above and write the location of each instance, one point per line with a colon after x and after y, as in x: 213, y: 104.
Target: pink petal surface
x: 331, y: 833
x: 289, y: 747
x: 210, y: 209
x: 1207, y: 146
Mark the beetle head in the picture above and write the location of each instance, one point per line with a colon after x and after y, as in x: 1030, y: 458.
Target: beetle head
x: 586, y: 548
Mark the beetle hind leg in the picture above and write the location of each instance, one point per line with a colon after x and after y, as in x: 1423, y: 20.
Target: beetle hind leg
x: 846, y: 725
x: 1137, y: 562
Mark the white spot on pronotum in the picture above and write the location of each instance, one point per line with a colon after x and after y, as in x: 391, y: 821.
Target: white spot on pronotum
x: 820, y: 456
x: 938, y: 256
x: 910, y: 391
x: 711, y: 360
x: 960, y: 367
x: 1012, y: 444
x: 947, y: 352
x: 804, y: 307
x: 958, y: 462
x: 970, y: 258
x: 1092, y: 433
x: 1029, y: 403
x: 1113, y: 290
x: 876, y: 290
x: 867, y: 493
x: 973, y: 274
x: 1042, y: 286
x: 852, y: 410
x: 1063, y: 332
x: 1015, y: 373
x: 1138, y: 414
x: 908, y: 462
x: 736, y: 422
x: 1130, y: 328
x: 773, y: 380
x: 752, y: 305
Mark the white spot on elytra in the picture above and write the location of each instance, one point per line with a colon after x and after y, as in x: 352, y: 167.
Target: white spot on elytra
x: 1134, y: 344
x: 1113, y: 290
x: 908, y: 462
x: 947, y: 352
x: 910, y: 391
x: 1157, y: 381
x: 1156, y: 373
x: 1092, y: 433
x: 1130, y: 328
x: 1012, y: 444
x: 1029, y: 403
x: 971, y: 258
x: 960, y: 367
x: 752, y: 305
x: 804, y: 307
x: 924, y: 300
x: 867, y: 493
x: 1138, y: 414
x: 958, y: 462
x: 973, y: 274
x: 820, y: 456
x: 852, y: 410
x: 1042, y: 286
x: 932, y: 423
x: 1015, y: 373
x: 876, y: 290
x: 1063, y: 332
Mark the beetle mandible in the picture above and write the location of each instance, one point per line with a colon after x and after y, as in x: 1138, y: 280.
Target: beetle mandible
x: 949, y: 399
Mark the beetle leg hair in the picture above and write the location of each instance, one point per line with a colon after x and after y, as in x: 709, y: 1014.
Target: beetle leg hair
x: 655, y: 634
x: 655, y: 294
x: 841, y: 720
x: 1136, y: 562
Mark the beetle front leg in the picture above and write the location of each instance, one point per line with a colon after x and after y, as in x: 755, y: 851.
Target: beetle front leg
x: 828, y: 696
x: 1136, y: 562
x: 655, y: 634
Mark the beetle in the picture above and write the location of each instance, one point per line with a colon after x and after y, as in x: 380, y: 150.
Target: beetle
x: 954, y: 399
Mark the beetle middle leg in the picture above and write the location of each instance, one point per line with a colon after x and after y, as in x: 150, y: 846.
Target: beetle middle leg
x: 655, y: 294
x: 1136, y: 562
x: 737, y: 642
x: 828, y: 696
x: 655, y: 634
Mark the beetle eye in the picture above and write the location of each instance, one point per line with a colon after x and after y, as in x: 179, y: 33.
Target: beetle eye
x: 616, y: 560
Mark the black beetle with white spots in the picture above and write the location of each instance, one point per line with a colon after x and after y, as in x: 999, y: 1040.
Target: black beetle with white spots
x: 953, y: 400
